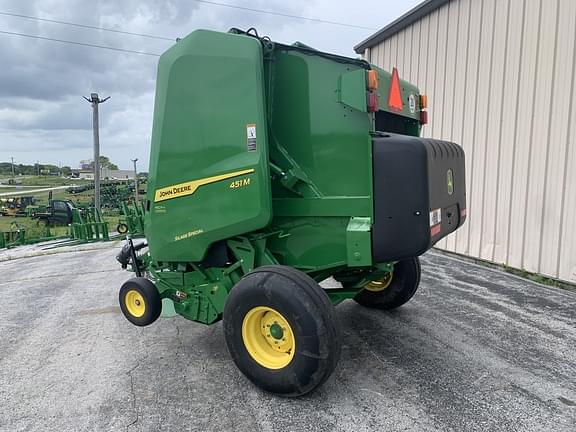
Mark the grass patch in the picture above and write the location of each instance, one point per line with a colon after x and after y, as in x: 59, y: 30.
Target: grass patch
x: 51, y: 181
x: 539, y: 278
x: 534, y: 277
x: 33, y: 229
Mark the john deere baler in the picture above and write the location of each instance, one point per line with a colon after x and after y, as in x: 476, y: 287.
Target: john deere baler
x: 272, y: 168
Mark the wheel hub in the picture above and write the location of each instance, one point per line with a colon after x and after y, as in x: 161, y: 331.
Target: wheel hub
x: 134, y: 303
x: 276, y: 331
x: 379, y: 284
x: 268, y: 337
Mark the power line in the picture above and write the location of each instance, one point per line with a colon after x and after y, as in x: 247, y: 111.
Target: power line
x: 261, y: 11
x: 207, y: 2
x: 79, y: 43
x: 267, y: 12
x: 86, y: 26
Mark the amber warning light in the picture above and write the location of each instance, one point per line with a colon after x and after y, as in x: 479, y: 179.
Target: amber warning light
x: 423, y: 105
x: 372, y: 87
x: 372, y: 80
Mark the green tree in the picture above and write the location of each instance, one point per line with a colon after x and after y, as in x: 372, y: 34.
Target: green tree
x: 105, y: 163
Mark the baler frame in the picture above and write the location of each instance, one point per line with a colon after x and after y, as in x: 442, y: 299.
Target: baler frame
x: 199, y: 293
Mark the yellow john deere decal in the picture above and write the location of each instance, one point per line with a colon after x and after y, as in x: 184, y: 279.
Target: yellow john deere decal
x: 188, y: 188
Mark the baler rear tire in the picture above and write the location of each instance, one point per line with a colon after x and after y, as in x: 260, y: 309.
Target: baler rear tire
x: 402, y: 287
x: 289, y: 298
x: 140, y: 301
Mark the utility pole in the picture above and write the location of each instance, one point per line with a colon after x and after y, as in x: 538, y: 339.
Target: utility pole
x: 12, y: 169
x: 95, y: 101
x: 135, y: 180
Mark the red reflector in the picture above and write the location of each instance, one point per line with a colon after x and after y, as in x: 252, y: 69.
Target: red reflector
x: 424, y: 117
x: 435, y: 230
x: 395, y: 96
x: 372, y: 102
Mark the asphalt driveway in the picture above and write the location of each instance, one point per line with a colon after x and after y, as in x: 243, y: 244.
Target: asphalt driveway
x: 475, y: 350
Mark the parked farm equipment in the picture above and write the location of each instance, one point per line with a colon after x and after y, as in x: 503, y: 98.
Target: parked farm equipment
x: 82, y: 225
x: 272, y: 168
x: 18, y: 235
x: 88, y: 225
x: 132, y: 220
x: 15, y: 236
x: 58, y: 212
x: 16, y: 207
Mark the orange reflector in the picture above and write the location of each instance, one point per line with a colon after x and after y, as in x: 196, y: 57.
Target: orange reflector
x: 423, y: 102
x: 372, y: 76
x: 395, y: 97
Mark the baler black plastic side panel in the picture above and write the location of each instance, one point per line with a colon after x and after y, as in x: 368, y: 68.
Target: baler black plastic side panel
x: 401, y: 206
x: 410, y: 181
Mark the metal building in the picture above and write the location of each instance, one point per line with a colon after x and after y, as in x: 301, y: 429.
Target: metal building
x: 500, y: 79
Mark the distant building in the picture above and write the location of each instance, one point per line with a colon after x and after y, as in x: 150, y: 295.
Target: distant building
x: 106, y: 174
x: 500, y: 76
x: 117, y: 174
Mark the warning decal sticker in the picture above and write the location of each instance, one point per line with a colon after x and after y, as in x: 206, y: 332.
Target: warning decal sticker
x: 251, y: 137
x: 412, y: 103
x: 435, y: 217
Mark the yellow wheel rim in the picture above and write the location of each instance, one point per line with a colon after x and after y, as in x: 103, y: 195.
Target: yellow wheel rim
x: 379, y: 284
x: 268, y: 337
x: 134, y: 303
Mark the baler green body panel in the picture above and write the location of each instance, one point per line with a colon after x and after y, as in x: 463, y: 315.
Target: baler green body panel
x: 329, y: 142
x: 209, y: 172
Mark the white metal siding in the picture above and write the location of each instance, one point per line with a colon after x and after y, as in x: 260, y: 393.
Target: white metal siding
x: 500, y: 76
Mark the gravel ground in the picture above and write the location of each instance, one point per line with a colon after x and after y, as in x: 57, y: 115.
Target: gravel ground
x: 475, y: 350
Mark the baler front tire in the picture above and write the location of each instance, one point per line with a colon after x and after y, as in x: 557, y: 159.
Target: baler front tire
x: 397, y: 291
x: 140, y: 301
x: 281, y: 331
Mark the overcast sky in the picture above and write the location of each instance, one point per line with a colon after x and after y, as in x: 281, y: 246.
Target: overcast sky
x: 42, y: 114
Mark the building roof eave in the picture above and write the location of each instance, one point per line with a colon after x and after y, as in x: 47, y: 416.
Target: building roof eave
x: 410, y: 17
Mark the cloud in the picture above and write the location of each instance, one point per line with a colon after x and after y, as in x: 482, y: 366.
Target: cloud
x: 42, y: 113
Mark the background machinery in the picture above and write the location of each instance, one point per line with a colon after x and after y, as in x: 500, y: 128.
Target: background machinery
x: 16, y: 207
